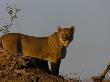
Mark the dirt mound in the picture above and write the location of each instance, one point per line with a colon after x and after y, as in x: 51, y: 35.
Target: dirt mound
x: 12, y: 70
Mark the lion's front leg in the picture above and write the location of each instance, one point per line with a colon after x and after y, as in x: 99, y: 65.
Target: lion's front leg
x: 55, y: 67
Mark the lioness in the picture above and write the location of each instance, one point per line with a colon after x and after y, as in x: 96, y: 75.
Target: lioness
x: 51, y: 48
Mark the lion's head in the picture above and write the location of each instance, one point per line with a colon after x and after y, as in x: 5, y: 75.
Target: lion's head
x: 65, y: 35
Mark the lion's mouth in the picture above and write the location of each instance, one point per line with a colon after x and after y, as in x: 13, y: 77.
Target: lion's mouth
x: 65, y: 44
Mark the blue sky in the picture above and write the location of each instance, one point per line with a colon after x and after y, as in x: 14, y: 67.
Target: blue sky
x: 89, y: 53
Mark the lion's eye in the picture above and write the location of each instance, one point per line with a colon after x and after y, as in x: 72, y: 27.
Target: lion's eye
x: 61, y: 35
x: 67, y: 35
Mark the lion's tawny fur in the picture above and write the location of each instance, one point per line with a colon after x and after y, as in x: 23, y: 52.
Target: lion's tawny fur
x: 46, y: 48
x: 51, y: 48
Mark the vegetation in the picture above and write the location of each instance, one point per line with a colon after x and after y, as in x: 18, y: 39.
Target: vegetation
x: 12, y: 12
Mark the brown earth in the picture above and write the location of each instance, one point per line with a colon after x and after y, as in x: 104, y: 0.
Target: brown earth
x: 12, y: 70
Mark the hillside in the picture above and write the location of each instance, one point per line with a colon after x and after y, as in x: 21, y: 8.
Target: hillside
x: 11, y: 70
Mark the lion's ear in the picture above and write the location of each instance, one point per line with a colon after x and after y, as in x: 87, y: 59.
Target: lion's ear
x: 72, y: 29
x: 59, y: 28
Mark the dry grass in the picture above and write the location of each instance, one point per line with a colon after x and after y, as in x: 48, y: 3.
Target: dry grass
x: 11, y: 70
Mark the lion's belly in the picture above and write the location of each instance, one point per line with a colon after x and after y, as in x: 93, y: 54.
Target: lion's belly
x: 45, y: 55
x: 41, y: 52
x: 35, y: 53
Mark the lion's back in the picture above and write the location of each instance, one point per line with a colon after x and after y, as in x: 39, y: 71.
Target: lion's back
x: 28, y: 45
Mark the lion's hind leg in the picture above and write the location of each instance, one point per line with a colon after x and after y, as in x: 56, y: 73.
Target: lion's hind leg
x: 31, y: 62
